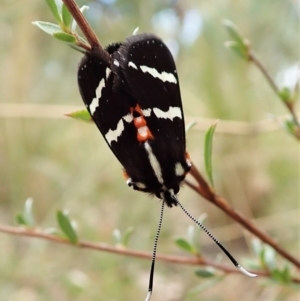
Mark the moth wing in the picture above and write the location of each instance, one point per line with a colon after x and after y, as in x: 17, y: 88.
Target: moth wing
x: 148, y: 68
x: 110, y: 110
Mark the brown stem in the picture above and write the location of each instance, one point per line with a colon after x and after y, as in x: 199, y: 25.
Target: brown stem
x: 258, y: 64
x: 82, y: 23
x: 83, y: 45
x: 204, y: 190
x: 127, y: 252
x: 252, y: 58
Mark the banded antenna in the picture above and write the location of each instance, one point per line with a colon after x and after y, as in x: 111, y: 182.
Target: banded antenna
x: 232, y: 259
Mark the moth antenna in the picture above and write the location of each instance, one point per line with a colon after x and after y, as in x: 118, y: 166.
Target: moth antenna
x: 232, y: 259
x: 150, y: 287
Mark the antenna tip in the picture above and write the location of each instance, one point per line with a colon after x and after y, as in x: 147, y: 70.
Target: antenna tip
x: 245, y: 272
x: 148, y: 296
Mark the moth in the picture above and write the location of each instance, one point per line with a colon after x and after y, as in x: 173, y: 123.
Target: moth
x: 134, y: 99
x: 132, y: 93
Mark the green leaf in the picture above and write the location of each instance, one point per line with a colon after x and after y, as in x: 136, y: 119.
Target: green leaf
x: 47, y: 27
x: 26, y: 217
x: 286, y: 274
x: 234, y: 32
x: 190, y: 125
x: 285, y: 94
x: 20, y: 219
x: 282, y: 276
x: 202, y: 217
x: 191, y: 234
x: 65, y: 37
x: 82, y: 115
x: 117, y: 236
x: 54, y: 8
x: 239, y: 49
x: 256, y: 246
x: 27, y: 214
x: 66, y: 226
x: 269, y: 258
x: 276, y: 275
x: 185, y: 245
x: 290, y: 126
x: 66, y: 16
x: 205, y: 274
x: 127, y: 235
x: 262, y: 256
x: 208, y: 151
x: 135, y: 31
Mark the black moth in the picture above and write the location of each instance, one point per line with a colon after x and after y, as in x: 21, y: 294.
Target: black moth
x: 134, y: 98
x: 131, y: 91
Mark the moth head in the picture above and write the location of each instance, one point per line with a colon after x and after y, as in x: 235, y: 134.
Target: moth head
x: 169, y: 196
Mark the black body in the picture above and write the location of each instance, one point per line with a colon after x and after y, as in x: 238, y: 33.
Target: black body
x: 134, y: 98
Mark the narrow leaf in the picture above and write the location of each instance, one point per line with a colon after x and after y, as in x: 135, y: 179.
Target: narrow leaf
x: 281, y: 276
x: 27, y: 214
x: 204, y: 274
x: 234, y: 32
x: 286, y: 274
x: 269, y: 258
x: 26, y: 217
x: 256, y: 246
x: 66, y: 226
x: 290, y: 126
x: 127, y: 235
x: 276, y: 275
x: 262, y: 256
x: 208, y: 151
x: 20, y: 219
x: 66, y: 16
x: 117, y: 236
x: 47, y: 27
x: 191, y: 234
x: 239, y: 49
x: 65, y: 37
x: 135, y: 31
x: 82, y: 115
x: 202, y: 217
x: 190, y: 125
x: 285, y: 94
x: 54, y: 8
x: 185, y: 245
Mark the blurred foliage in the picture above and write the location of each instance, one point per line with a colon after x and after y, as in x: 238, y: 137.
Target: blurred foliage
x: 62, y: 163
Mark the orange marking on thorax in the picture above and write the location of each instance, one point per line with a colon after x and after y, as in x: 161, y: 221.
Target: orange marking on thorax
x: 139, y: 122
x: 125, y: 175
x: 143, y: 132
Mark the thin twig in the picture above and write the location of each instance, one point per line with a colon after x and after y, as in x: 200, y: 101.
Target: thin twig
x: 259, y: 65
x: 197, y: 261
x: 252, y: 58
x: 82, y: 23
x: 204, y: 190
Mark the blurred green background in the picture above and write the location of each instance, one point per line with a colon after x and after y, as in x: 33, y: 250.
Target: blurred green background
x: 65, y: 164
